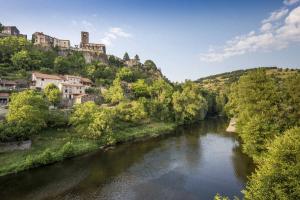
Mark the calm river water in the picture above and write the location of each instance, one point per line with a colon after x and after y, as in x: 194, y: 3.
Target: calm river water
x: 194, y: 163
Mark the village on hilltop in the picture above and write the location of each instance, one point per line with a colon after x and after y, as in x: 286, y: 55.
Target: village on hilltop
x: 72, y: 88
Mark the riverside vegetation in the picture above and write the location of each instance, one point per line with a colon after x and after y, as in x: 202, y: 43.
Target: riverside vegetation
x: 140, y: 102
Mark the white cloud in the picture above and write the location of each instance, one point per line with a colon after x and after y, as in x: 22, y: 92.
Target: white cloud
x: 290, y: 2
x: 85, y: 25
x: 266, y: 27
x: 276, y: 15
x: 88, y: 26
x: 113, y: 34
x: 287, y: 31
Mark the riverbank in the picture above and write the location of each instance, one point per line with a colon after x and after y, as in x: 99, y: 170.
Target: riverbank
x: 55, y: 145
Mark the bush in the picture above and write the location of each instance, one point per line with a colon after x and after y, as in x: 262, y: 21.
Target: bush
x: 57, y: 119
x: 115, y: 93
x: 125, y: 74
x: 68, y: 150
x: 27, y: 113
x: 133, y: 112
x: 44, y: 158
x: 189, y: 105
x: 91, y: 121
x: 278, y: 173
x: 140, y: 89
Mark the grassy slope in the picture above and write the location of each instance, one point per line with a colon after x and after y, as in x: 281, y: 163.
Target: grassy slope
x: 49, y: 146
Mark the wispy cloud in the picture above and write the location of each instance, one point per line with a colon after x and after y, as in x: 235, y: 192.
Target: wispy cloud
x: 276, y: 15
x: 290, y: 2
x: 113, y: 34
x: 85, y: 25
x: 279, y: 30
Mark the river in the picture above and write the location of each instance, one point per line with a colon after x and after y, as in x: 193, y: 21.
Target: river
x: 194, y: 163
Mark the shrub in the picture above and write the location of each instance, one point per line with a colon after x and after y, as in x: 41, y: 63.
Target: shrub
x: 278, y: 173
x: 91, y: 121
x: 44, y: 158
x: 68, y: 150
x: 189, y: 105
x: 133, y: 111
x: 57, y: 119
x: 27, y: 112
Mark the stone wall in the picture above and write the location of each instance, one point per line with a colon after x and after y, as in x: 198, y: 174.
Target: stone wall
x: 91, y: 56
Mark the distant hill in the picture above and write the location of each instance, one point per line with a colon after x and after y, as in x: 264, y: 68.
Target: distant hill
x: 221, y: 81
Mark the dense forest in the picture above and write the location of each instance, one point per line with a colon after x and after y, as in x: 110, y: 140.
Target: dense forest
x: 267, y: 110
x: 265, y: 103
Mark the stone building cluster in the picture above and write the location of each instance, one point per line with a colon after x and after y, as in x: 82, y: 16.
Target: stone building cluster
x: 46, y: 41
x: 11, y: 31
x: 91, y: 51
x: 72, y: 88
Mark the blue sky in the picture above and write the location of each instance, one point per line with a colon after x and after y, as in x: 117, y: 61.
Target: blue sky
x: 186, y: 39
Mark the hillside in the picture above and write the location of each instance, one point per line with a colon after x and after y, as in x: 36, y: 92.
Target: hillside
x: 221, y: 81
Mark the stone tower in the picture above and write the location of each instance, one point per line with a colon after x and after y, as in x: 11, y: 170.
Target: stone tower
x: 84, y: 38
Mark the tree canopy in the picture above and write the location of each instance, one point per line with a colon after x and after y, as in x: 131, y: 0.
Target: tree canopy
x: 27, y: 112
x: 126, y: 57
x: 264, y: 107
x: 278, y: 172
x: 53, y: 94
x: 189, y: 105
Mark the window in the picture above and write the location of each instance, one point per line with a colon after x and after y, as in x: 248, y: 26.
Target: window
x: 43, y: 79
x: 66, y: 91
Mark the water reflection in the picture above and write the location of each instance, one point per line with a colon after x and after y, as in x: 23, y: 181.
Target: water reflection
x: 194, y: 163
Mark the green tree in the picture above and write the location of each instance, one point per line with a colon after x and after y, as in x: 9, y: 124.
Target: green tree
x: 91, y: 121
x: 189, y: 105
x: 140, y: 88
x: 77, y: 61
x: 62, y: 65
x: 291, y: 88
x: 126, y: 57
x: 160, y: 105
x: 22, y: 60
x: 133, y: 111
x: 1, y: 27
x: 114, y: 61
x: 115, y: 93
x: 278, y: 173
x: 27, y: 112
x: 11, y: 45
x: 221, y: 101
x: 125, y: 74
x: 262, y: 110
x: 137, y: 58
x: 150, y: 65
x: 53, y: 94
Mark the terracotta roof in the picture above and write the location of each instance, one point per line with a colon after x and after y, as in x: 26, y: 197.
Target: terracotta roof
x: 71, y: 84
x: 4, y: 94
x: 72, y: 76
x: 59, y: 77
x: 47, y: 76
x: 86, y: 80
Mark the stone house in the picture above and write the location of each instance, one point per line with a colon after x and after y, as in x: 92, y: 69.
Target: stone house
x: 69, y: 85
x: 11, y: 31
x: 46, y: 41
x: 91, y: 51
x: 7, y: 85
